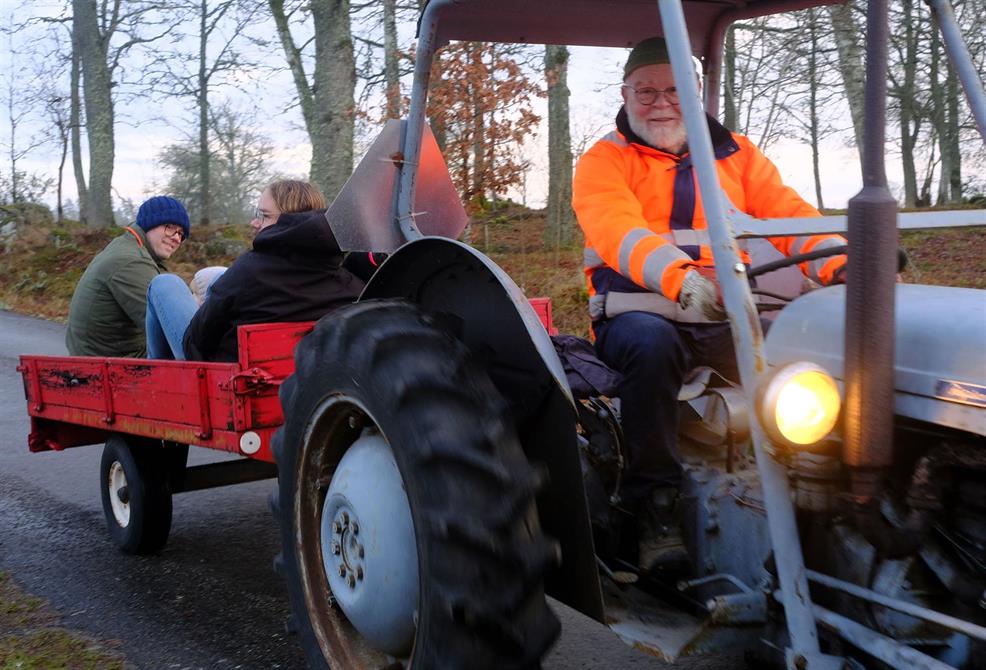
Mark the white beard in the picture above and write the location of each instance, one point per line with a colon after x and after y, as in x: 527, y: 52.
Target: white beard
x: 671, y: 139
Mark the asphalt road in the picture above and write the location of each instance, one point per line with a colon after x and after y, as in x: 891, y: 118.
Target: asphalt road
x: 211, y: 599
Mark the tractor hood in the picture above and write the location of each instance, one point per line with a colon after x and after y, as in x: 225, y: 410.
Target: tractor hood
x: 940, y: 361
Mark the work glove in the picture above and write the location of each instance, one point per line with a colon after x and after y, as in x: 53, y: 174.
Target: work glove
x: 701, y: 291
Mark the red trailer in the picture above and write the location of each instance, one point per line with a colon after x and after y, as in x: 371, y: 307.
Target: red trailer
x: 147, y: 412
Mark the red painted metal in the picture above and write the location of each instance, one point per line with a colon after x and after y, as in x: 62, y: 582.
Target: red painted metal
x: 204, y: 418
x: 542, y: 307
x: 109, y: 416
x: 76, y: 400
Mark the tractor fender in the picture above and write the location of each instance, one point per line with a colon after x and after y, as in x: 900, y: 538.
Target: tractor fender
x: 489, y: 310
x: 476, y: 302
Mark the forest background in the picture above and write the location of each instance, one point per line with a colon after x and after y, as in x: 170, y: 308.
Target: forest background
x: 106, y: 103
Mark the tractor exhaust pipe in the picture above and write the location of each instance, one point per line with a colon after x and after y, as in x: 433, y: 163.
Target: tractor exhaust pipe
x: 871, y: 276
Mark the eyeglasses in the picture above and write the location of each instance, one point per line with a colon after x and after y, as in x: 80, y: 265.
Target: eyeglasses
x: 174, y: 230
x: 648, y: 96
x: 261, y: 215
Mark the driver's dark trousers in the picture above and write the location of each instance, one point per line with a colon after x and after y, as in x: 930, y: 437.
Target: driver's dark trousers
x: 654, y: 354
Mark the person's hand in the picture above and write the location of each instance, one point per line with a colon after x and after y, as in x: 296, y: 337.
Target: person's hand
x: 701, y: 291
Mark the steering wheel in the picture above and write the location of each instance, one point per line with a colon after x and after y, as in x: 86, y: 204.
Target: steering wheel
x: 754, y: 272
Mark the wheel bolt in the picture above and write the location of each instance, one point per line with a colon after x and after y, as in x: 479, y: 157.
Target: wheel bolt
x: 359, y: 572
x: 345, y: 518
x: 351, y: 581
x: 336, y: 549
x: 342, y: 570
x: 359, y: 550
x: 355, y: 527
x: 336, y: 527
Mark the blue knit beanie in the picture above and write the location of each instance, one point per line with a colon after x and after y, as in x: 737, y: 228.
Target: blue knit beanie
x: 162, y: 209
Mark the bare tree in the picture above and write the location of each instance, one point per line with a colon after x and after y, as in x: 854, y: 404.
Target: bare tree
x: 194, y: 75
x: 94, y: 26
x: 57, y: 112
x: 559, y: 214
x: 239, y: 156
x: 75, y: 126
x: 18, y: 81
x: 730, y: 116
x: 327, y: 99
x: 815, y: 90
x: 92, y: 41
x: 764, y: 74
x: 391, y: 58
x: 848, y: 35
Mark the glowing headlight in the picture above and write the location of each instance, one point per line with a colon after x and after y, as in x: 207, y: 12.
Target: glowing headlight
x: 799, y: 404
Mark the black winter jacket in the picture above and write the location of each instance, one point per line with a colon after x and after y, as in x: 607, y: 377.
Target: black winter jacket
x: 293, y: 273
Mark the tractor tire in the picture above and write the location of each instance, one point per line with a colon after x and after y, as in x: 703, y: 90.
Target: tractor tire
x: 136, y: 494
x: 381, y: 373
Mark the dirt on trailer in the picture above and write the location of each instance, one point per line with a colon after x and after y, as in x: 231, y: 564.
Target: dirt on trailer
x: 41, y: 262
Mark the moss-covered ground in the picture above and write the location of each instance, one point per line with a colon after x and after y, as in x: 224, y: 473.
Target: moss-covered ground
x: 30, y: 638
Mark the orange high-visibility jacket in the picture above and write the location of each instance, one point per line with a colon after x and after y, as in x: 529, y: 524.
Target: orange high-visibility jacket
x: 644, y: 223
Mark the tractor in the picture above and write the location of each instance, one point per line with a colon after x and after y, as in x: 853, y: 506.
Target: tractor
x: 434, y: 464
x: 438, y: 479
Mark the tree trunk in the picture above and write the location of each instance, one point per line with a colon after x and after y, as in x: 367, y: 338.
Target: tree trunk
x: 63, y: 138
x: 939, y: 116
x: 205, y: 173
x: 952, y: 94
x: 559, y: 214
x: 15, y: 195
x: 908, y: 123
x: 75, y: 125
x: 851, y: 65
x: 813, y: 103
x: 334, y: 84
x: 478, y: 123
x: 98, y: 97
x: 729, y: 80
x: 391, y: 68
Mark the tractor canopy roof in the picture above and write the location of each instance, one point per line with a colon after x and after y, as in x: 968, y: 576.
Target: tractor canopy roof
x: 605, y: 23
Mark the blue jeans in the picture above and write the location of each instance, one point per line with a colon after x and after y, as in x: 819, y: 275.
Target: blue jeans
x: 170, y: 308
x: 654, y: 354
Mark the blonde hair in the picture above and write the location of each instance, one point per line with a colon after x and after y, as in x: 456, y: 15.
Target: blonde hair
x: 294, y: 195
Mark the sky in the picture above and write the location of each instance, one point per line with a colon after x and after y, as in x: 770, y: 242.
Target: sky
x: 145, y: 127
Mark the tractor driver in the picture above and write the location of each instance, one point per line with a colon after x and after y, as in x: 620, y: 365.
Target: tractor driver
x: 654, y: 301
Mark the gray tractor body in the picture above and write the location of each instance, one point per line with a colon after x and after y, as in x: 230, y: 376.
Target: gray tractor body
x: 748, y: 516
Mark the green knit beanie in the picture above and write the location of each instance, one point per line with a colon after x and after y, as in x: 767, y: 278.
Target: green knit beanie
x: 651, y: 51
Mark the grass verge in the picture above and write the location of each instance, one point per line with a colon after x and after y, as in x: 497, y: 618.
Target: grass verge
x: 31, y: 640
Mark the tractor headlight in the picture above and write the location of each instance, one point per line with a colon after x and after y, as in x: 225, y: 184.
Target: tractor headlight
x: 799, y: 404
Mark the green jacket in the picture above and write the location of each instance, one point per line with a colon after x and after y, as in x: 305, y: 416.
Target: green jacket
x: 106, y: 315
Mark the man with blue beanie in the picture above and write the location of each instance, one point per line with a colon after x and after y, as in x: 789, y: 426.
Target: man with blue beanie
x: 106, y: 315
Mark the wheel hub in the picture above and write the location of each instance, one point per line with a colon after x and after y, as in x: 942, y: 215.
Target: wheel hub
x: 348, y: 554
x: 119, y: 494
x: 368, y: 548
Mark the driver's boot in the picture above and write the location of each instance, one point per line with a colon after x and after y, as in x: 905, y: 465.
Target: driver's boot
x: 659, y: 524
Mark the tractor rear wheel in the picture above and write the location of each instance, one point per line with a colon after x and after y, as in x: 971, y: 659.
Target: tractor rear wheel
x: 409, y: 529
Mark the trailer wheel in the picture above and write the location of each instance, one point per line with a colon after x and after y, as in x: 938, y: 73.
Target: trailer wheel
x: 406, y: 503
x: 136, y: 495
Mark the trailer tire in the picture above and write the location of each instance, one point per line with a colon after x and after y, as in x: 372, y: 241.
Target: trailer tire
x: 385, y: 366
x: 136, y: 494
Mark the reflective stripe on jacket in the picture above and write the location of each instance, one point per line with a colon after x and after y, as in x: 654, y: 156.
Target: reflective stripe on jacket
x: 645, y: 227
